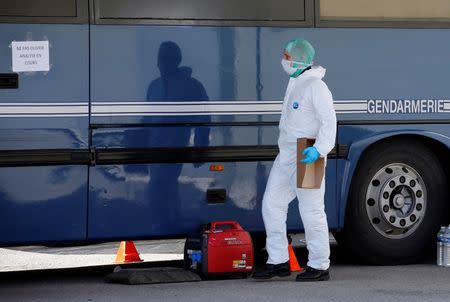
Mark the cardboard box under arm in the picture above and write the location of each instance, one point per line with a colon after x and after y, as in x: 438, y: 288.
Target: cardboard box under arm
x: 309, y: 176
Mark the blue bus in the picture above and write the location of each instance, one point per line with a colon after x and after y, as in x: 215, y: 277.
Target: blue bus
x: 145, y: 119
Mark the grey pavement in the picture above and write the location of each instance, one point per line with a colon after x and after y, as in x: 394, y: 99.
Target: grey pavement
x: 350, y: 281
x: 422, y: 282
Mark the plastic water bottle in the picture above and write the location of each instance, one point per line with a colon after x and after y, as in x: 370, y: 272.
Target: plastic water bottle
x: 440, y: 246
x: 446, y: 245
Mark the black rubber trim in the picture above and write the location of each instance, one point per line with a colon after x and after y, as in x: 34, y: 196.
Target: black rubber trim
x: 186, y: 155
x: 14, y: 158
x: 18, y: 158
x: 192, y: 155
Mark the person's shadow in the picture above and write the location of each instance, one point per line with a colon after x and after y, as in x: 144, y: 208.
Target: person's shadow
x: 175, y: 84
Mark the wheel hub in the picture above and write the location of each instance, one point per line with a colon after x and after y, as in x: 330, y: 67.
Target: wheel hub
x: 396, y: 200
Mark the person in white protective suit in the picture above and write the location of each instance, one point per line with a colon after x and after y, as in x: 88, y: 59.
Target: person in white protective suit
x: 307, y: 113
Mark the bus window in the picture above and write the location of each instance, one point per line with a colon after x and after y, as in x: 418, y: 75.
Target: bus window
x: 44, y: 11
x: 207, y: 11
x: 400, y: 12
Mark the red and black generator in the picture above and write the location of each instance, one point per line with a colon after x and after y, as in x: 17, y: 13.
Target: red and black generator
x: 221, y: 249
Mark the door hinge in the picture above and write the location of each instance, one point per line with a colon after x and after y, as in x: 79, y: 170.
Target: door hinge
x: 92, y: 157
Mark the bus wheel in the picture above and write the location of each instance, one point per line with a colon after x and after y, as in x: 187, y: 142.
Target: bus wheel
x: 396, y: 203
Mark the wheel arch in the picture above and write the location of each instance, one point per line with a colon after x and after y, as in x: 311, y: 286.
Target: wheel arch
x: 440, y: 145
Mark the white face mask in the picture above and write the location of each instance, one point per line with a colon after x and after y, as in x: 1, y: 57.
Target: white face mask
x: 292, y: 67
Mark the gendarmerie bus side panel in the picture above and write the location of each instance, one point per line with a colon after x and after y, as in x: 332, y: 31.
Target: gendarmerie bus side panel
x: 144, y: 186
x: 388, y: 90
x: 44, y: 125
x: 168, y: 102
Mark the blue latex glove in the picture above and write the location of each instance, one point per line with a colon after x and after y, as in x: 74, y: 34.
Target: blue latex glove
x: 311, y: 155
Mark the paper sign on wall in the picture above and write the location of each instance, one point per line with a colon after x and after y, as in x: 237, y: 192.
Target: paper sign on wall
x: 30, y: 56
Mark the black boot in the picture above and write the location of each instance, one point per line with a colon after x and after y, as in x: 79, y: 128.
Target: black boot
x: 272, y: 270
x: 312, y: 274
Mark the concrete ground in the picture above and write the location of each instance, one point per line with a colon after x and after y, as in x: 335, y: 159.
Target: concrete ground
x: 420, y: 282
x: 349, y: 281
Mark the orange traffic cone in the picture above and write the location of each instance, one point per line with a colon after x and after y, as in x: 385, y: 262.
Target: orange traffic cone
x: 293, y: 263
x: 127, y: 253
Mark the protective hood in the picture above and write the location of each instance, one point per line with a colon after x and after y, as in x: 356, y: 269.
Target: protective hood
x: 314, y: 72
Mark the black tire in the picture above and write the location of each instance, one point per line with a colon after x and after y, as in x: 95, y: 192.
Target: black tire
x: 362, y: 235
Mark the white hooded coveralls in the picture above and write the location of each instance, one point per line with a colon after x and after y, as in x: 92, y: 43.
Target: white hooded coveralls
x: 307, y: 112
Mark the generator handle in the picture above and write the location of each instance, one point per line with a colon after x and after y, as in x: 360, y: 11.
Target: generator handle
x: 233, y: 224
